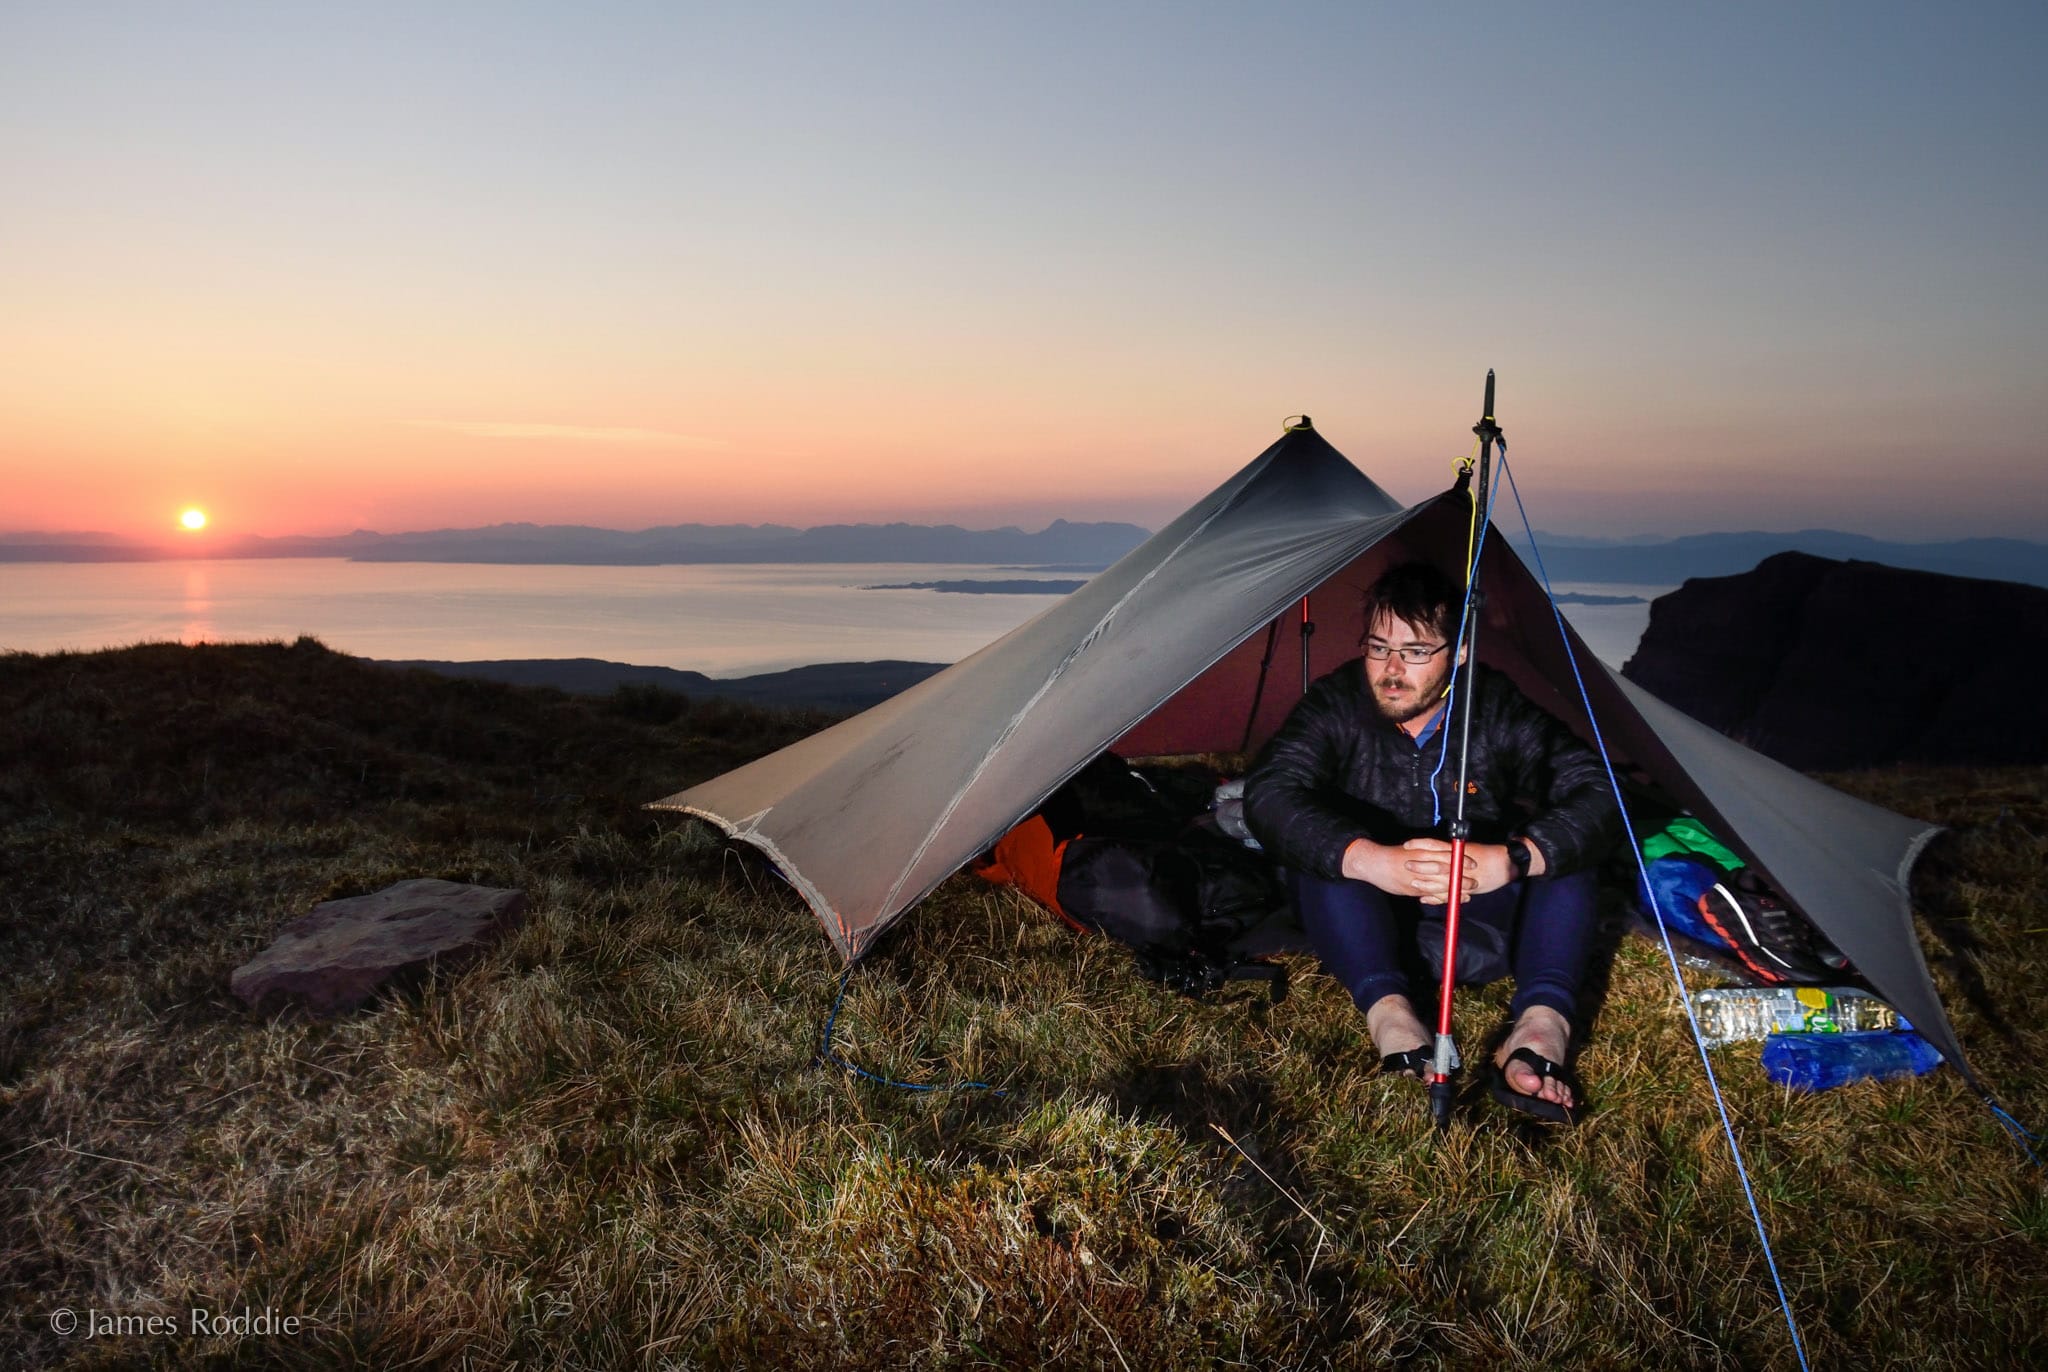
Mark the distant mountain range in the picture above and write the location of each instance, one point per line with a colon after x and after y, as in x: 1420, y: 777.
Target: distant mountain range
x: 1062, y: 545
x: 1093, y: 546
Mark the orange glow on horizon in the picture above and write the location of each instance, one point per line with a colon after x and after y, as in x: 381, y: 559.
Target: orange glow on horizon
x: 978, y: 460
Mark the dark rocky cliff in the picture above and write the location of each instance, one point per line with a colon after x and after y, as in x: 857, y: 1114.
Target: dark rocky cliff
x: 1828, y: 665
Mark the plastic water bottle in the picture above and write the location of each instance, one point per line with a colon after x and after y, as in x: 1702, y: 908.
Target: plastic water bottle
x: 1819, y: 1062
x: 1744, y: 1013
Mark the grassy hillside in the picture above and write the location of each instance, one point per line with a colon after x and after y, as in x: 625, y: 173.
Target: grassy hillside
x: 609, y: 1143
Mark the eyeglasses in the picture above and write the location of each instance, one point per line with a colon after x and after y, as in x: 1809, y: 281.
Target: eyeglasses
x: 1415, y: 655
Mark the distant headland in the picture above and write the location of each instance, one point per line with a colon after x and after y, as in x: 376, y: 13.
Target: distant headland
x: 839, y: 686
x: 1019, y: 587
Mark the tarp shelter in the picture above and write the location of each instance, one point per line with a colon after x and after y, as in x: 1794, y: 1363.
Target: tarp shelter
x: 1161, y: 654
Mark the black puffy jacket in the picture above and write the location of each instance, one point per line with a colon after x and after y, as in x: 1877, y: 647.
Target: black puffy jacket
x: 1339, y: 770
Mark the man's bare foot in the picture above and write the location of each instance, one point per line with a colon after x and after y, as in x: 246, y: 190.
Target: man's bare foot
x: 1395, y: 1027
x: 1547, y: 1034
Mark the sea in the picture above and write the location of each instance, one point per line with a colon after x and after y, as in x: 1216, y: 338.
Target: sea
x: 723, y: 620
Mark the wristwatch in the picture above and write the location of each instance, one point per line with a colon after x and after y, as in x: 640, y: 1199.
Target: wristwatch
x: 1519, y: 857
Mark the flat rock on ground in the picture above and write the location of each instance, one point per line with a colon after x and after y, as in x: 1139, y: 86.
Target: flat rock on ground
x: 336, y: 956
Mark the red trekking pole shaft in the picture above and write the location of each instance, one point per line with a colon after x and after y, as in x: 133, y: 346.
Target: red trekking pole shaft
x: 1440, y: 1066
x: 1457, y: 899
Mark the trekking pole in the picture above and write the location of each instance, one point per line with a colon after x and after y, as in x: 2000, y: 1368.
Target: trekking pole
x: 1446, y: 1050
x: 1308, y: 629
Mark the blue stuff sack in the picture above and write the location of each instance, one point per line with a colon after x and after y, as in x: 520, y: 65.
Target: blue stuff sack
x: 1675, y: 887
x: 1820, y: 1062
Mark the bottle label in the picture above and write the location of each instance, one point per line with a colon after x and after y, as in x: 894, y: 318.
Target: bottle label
x: 1816, y: 1007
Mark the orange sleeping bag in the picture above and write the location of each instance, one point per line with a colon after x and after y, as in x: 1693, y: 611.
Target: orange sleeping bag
x: 1028, y: 859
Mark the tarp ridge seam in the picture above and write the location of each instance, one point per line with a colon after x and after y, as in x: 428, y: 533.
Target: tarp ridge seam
x: 1017, y: 720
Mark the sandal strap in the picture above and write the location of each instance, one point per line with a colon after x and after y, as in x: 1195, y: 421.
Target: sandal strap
x: 1537, y: 1063
x: 1415, y: 1061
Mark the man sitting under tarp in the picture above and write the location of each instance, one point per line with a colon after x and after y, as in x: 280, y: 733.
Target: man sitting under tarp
x: 1349, y: 792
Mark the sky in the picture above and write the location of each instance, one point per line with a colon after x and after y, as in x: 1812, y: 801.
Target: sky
x: 314, y: 268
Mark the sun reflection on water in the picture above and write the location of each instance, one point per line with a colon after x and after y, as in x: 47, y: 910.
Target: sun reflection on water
x: 199, y: 627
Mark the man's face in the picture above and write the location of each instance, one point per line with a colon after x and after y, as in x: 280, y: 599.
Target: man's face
x: 1404, y: 690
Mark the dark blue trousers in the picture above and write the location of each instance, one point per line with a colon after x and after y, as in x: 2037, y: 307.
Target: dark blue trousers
x: 1366, y: 937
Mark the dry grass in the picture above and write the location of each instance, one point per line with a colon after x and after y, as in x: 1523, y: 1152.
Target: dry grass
x: 609, y: 1144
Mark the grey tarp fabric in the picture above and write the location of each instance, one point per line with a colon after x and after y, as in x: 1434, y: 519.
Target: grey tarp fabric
x: 1165, y: 651
x: 868, y: 816
x: 1842, y: 862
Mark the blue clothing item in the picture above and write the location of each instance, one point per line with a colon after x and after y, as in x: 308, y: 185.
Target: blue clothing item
x: 1366, y: 937
x: 1436, y: 722
x: 1674, y: 890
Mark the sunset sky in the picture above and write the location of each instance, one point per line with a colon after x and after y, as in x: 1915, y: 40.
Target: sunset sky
x: 310, y: 268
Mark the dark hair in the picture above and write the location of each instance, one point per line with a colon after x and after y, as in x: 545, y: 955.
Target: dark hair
x: 1415, y: 592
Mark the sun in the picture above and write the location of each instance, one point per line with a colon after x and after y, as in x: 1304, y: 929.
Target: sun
x: 193, y: 519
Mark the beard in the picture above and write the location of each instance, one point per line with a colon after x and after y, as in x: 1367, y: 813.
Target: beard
x: 1400, y: 699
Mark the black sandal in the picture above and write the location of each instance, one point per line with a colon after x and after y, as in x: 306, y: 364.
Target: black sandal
x: 1535, y: 1105
x: 1416, y: 1063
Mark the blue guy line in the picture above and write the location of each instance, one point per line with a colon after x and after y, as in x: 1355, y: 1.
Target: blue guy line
x: 1443, y: 751
x: 2020, y: 1133
x: 825, y: 1054
x: 1685, y: 996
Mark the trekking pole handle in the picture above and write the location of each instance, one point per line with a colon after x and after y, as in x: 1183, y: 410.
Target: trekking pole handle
x: 1486, y: 428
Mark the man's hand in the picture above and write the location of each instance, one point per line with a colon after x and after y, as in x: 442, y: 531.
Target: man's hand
x: 1489, y: 865
x: 1421, y: 867
x: 1428, y: 860
x: 1377, y: 865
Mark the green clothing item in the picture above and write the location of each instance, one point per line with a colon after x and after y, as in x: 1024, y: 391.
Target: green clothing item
x: 1687, y: 837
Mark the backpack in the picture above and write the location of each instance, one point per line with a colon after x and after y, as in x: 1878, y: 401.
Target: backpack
x: 1181, y: 905
x: 1133, y: 853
